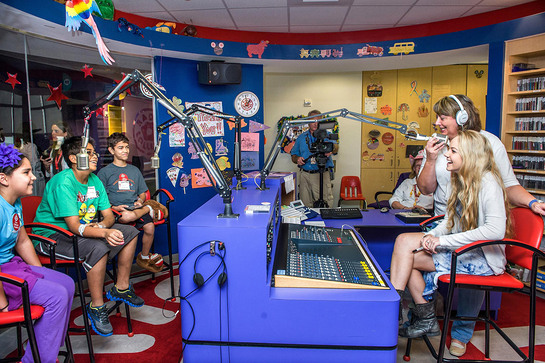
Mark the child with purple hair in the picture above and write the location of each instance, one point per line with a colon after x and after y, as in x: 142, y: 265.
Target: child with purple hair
x: 50, y: 289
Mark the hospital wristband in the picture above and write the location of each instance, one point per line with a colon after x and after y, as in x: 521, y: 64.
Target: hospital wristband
x: 81, y: 228
x: 532, y: 202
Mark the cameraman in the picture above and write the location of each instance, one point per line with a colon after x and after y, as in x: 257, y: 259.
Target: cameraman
x: 309, y: 177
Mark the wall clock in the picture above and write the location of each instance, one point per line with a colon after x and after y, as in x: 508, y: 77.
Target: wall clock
x: 246, y: 104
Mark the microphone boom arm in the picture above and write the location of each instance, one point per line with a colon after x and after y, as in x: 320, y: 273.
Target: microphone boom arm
x: 204, y: 153
x: 342, y: 112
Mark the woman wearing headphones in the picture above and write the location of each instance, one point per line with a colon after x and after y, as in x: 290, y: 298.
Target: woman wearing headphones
x: 454, y: 114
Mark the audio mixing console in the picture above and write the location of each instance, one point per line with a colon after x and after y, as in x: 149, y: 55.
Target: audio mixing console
x: 311, y: 256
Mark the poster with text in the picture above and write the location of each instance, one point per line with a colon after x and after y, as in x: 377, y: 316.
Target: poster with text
x: 209, y: 125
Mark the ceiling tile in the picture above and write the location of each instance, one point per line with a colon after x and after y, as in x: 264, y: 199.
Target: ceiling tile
x: 481, y: 9
x: 191, y: 5
x: 356, y: 27
x: 314, y: 28
x: 268, y: 29
x: 447, y: 2
x: 210, y: 18
x: 503, y: 3
x: 260, y: 17
x: 427, y: 14
x: 319, y: 15
x: 384, y: 2
x: 375, y: 14
x: 242, y: 4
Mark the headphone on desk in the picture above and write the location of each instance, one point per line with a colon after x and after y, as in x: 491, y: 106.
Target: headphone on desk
x: 198, y: 278
x: 461, y: 116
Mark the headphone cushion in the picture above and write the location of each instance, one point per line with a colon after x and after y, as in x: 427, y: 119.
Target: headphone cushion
x: 461, y: 117
x: 198, y: 279
x: 222, y: 278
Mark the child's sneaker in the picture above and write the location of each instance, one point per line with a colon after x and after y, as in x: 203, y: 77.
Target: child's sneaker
x: 99, y: 320
x: 153, y: 263
x: 127, y: 296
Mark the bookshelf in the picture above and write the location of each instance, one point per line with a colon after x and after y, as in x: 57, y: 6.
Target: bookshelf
x: 523, y: 122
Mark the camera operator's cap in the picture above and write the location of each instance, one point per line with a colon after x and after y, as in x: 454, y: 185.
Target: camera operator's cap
x: 420, y: 155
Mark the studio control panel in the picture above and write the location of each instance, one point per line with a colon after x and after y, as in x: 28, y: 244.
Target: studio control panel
x: 323, y: 257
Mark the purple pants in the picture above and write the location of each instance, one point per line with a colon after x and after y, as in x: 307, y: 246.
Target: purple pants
x: 55, y: 293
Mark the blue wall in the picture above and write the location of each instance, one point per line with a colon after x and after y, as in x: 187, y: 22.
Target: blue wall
x: 179, y: 78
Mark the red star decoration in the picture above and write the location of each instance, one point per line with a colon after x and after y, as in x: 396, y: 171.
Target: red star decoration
x: 56, y: 95
x: 128, y: 90
x: 12, y: 79
x: 87, y: 70
x: 99, y: 111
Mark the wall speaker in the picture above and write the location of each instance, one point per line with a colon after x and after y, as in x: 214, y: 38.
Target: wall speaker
x: 219, y: 73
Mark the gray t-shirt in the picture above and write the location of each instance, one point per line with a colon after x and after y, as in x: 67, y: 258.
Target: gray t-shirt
x: 123, y: 184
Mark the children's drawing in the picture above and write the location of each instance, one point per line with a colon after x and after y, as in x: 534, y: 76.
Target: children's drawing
x: 249, y: 141
x: 199, y: 178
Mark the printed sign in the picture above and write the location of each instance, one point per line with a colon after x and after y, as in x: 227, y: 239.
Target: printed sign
x: 209, y: 125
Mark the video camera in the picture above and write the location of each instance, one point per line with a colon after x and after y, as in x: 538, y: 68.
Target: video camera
x: 323, y: 143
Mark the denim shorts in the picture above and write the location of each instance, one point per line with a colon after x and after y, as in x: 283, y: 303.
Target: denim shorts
x: 470, y: 263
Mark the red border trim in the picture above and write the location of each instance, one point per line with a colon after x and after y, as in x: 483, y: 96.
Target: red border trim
x: 406, y: 32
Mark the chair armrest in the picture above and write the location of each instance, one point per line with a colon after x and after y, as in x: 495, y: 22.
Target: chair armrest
x: 506, y: 241
x: 50, y: 227
x: 379, y: 193
x: 164, y: 191
x: 424, y: 224
x: 10, y: 279
x: 51, y: 243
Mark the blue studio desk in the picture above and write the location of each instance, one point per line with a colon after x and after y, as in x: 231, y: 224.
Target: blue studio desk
x: 248, y: 319
x: 379, y: 230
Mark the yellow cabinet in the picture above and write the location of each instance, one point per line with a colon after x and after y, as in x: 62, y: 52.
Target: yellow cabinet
x: 379, y: 100
x: 413, y: 109
x: 409, y: 94
x: 374, y: 180
x: 477, y: 82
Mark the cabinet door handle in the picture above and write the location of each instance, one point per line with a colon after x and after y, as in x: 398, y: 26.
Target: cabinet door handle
x: 398, y: 161
x: 391, y: 176
x: 391, y: 162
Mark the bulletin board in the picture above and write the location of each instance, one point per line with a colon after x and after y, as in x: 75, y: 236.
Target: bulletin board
x: 180, y: 169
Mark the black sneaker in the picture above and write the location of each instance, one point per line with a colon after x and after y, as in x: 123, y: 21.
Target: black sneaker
x: 99, y: 320
x: 127, y: 296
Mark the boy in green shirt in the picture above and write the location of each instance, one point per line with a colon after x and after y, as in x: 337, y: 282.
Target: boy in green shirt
x: 72, y: 199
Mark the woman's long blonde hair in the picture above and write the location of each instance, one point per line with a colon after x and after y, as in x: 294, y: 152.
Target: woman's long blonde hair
x: 477, y: 160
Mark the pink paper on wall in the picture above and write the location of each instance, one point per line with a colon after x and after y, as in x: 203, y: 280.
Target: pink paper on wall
x: 249, y: 141
x: 199, y: 178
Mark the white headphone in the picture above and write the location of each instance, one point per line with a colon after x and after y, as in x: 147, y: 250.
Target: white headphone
x: 461, y: 116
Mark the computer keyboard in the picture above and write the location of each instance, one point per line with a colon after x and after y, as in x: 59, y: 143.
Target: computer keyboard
x: 340, y: 213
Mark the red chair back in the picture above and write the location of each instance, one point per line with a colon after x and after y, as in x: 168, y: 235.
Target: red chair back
x: 30, y: 205
x: 350, y: 187
x: 528, y: 228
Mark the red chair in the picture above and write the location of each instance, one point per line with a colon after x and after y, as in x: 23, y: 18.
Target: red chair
x: 30, y: 205
x: 351, y: 190
x: 24, y: 317
x: 522, y: 250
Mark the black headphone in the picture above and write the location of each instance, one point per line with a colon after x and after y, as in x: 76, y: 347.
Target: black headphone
x: 199, y: 280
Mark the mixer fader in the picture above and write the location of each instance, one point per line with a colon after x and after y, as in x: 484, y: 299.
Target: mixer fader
x: 311, y: 256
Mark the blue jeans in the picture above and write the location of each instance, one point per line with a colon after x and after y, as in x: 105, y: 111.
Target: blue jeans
x: 469, y: 305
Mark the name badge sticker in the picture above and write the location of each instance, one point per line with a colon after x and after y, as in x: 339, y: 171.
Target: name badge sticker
x: 91, y: 193
x: 124, y: 185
